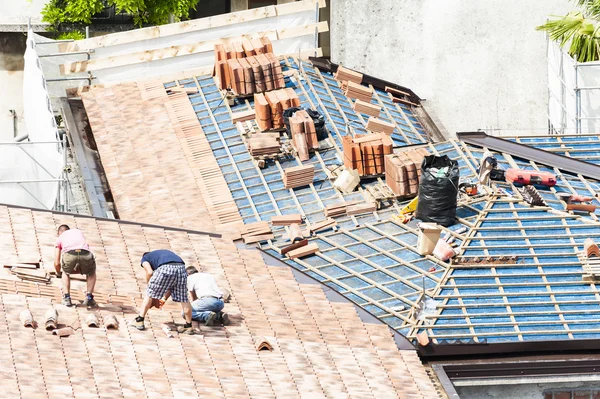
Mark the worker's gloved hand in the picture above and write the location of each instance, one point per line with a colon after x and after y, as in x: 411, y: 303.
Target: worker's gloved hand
x: 157, y: 303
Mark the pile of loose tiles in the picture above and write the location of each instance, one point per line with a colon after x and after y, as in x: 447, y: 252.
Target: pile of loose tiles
x: 366, y: 108
x: 403, y: 170
x: 264, y: 144
x: 269, y: 107
x: 379, y: 126
x: 347, y: 75
x: 248, y: 66
x: 298, y: 176
x: 304, y: 134
x: 365, y: 153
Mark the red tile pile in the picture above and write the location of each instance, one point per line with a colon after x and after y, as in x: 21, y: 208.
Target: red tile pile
x: 256, y: 232
x: 248, y: 66
x: 347, y: 75
x: 264, y: 144
x: 403, y: 170
x: 366, y: 108
x: 304, y: 134
x: 377, y: 125
x: 298, y: 176
x: 365, y: 153
x: 269, y: 107
x: 357, y: 91
x: 591, y: 248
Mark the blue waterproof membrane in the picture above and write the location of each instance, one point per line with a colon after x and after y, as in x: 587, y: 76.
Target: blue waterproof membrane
x: 385, y: 274
x: 586, y: 148
x: 541, y: 297
x: 372, y: 259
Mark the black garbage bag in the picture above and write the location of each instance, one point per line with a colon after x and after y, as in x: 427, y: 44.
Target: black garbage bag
x: 319, y: 122
x: 438, y: 190
x: 287, y: 114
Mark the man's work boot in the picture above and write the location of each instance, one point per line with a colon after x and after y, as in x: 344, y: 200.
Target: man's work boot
x: 210, y: 320
x: 224, y: 319
x: 186, y: 329
x: 67, y: 300
x: 139, y: 323
x: 89, y: 301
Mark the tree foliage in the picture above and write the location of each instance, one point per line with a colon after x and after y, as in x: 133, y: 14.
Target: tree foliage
x: 579, y: 31
x: 59, y: 13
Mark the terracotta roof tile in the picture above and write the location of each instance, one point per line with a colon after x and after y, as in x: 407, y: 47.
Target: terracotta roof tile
x: 320, y: 348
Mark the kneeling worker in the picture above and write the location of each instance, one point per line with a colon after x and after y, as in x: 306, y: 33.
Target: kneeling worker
x: 207, y: 298
x: 165, y: 273
x: 73, y: 256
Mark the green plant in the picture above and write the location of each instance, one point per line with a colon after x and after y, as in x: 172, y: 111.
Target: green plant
x: 75, y: 35
x: 579, y: 30
x: 144, y: 12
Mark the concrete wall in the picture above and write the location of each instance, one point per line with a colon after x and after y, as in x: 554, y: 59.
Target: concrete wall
x: 12, y: 48
x: 14, y: 15
x: 480, y: 64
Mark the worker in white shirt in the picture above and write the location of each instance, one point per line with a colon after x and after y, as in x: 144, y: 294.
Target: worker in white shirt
x: 207, y: 298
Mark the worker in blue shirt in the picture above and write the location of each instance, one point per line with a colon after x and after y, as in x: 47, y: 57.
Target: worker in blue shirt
x: 165, y: 273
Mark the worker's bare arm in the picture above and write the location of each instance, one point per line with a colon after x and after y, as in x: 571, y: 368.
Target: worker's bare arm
x: 148, y: 270
x: 57, y: 259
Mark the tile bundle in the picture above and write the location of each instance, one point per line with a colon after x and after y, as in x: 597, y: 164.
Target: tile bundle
x: 286, y: 220
x: 366, y: 108
x: 248, y: 66
x: 365, y: 153
x: 304, y: 134
x: 264, y: 144
x: 402, y: 171
x: 269, y: 107
x: 380, y: 126
x: 256, y: 232
x: 298, y: 176
x: 347, y: 75
x: 357, y: 91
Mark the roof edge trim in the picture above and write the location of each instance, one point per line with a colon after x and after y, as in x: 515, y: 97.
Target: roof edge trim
x: 79, y: 215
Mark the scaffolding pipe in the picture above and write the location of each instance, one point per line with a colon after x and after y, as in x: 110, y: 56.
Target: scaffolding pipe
x: 316, y: 29
x: 86, y: 52
x: 65, y: 175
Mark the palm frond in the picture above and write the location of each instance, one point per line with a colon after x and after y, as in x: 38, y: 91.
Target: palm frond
x: 591, y: 8
x: 580, y: 33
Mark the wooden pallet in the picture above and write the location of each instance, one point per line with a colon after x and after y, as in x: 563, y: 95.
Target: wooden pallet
x: 591, y: 267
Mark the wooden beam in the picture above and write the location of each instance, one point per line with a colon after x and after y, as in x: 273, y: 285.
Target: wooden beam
x: 194, y: 25
x: 184, y: 49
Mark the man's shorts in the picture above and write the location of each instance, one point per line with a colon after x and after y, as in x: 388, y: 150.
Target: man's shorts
x: 171, y: 276
x: 78, y: 261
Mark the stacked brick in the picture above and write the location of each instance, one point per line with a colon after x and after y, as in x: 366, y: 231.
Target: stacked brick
x: 269, y: 107
x: 298, y: 176
x: 379, y: 126
x: 304, y: 134
x: 403, y: 171
x: 347, y: 75
x: 366, y: 108
x: 365, y: 153
x: 248, y: 66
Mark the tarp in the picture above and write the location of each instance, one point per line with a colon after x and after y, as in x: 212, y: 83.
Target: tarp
x: 21, y: 164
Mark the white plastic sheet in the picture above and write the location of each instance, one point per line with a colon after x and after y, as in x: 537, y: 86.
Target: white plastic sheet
x: 23, y: 165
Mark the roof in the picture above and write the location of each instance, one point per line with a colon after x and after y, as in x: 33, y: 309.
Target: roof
x: 321, y: 348
x: 372, y: 259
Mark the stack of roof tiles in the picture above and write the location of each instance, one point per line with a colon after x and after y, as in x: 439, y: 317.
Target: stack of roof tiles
x: 264, y: 144
x: 248, y: 67
x: 379, y: 126
x: 269, y: 107
x: 347, y: 75
x: 365, y: 153
x: 320, y: 348
x: 298, y: 176
x: 403, y: 170
x: 304, y: 134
